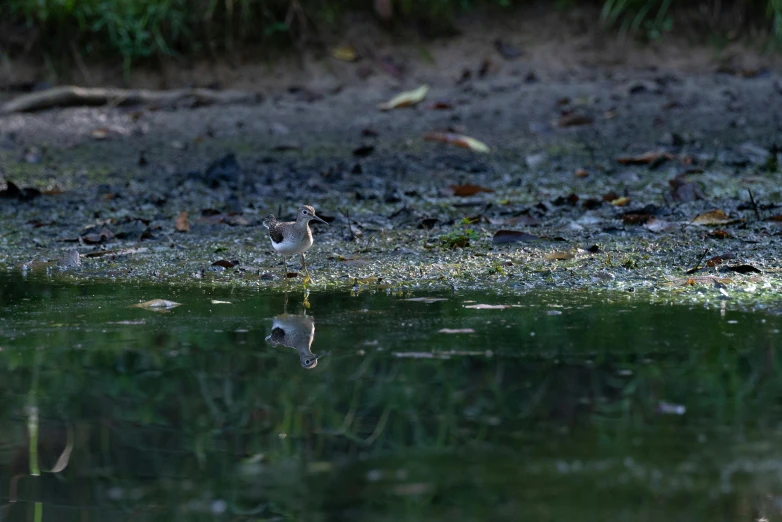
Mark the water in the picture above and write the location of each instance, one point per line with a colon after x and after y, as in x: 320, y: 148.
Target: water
x: 561, y: 406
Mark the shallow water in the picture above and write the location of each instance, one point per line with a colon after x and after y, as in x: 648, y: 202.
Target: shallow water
x: 560, y: 406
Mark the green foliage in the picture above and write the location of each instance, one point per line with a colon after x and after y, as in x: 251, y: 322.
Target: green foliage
x: 135, y: 30
x: 459, y: 238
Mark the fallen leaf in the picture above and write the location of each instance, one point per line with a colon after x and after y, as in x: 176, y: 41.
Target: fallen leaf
x: 10, y: 190
x: 345, y: 53
x: 645, y: 158
x: 405, y: 99
x: 718, y: 260
x: 621, y: 202
x: 718, y: 234
x: 714, y: 217
x: 181, y: 224
x: 467, y: 190
x: 487, y: 307
x: 456, y: 330
x: 157, y: 305
x: 512, y: 236
x: 559, y: 255
x: 441, y: 106
x: 574, y: 119
x: 775, y: 218
x: 581, y: 173
x: 637, y: 218
x: 459, y: 140
x: 363, y: 151
x: 225, y: 263
x: 743, y: 269
x: 426, y: 300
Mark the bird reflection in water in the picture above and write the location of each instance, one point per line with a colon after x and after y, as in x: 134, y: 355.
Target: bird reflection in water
x: 297, y: 332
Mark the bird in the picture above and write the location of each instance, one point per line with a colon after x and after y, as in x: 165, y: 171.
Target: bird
x: 292, y: 237
x: 297, y: 332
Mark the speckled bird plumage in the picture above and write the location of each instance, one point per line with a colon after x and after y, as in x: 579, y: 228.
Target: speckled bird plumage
x: 297, y: 332
x: 292, y: 237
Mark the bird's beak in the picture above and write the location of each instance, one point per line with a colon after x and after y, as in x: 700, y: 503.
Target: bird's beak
x: 322, y: 355
x: 318, y: 219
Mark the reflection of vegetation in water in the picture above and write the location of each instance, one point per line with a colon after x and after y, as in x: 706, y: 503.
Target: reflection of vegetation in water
x: 193, y: 412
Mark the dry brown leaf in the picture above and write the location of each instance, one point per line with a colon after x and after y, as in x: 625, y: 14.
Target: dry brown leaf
x: 581, y: 173
x: 621, y: 202
x: 645, y: 158
x: 467, y: 190
x: 714, y: 217
x: 405, y: 99
x: 574, y: 119
x: 182, y: 225
x: 559, y: 255
x: 457, y: 139
x: 719, y: 234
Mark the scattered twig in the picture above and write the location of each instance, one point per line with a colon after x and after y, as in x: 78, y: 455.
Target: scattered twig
x: 69, y: 95
x: 698, y: 264
x: 346, y: 213
x: 754, y: 205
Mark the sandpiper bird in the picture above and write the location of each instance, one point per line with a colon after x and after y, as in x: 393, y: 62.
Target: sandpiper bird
x: 292, y: 237
x: 297, y: 332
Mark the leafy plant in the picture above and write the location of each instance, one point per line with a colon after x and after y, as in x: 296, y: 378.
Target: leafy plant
x: 459, y: 238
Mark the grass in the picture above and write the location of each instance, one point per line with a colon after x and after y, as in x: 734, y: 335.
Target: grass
x: 142, y: 30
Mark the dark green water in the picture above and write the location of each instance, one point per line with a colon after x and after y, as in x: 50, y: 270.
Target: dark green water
x: 566, y: 406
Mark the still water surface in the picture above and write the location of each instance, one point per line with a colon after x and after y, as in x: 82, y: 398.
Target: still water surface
x: 240, y: 405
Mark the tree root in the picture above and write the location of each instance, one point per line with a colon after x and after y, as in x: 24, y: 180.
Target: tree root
x: 69, y: 96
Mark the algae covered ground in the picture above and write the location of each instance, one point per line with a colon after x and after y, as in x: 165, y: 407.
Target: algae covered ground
x: 659, y: 181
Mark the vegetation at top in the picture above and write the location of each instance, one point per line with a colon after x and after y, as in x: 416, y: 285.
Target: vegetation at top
x: 139, y: 30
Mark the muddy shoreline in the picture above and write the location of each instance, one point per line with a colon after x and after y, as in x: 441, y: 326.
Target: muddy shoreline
x: 114, y: 181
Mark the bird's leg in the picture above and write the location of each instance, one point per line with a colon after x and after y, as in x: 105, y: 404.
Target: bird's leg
x: 284, y: 268
x: 304, y: 265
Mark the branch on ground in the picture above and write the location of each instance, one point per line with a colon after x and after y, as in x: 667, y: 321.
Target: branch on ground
x: 69, y: 96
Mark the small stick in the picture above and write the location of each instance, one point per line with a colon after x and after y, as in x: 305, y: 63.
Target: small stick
x: 346, y: 213
x: 754, y: 205
x: 698, y: 264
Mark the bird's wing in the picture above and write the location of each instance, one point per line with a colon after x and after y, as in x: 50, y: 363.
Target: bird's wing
x: 275, y: 232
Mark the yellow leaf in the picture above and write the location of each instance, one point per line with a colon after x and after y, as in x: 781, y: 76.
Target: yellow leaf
x: 405, y: 99
x: 559, y: 256
x: 345, y: 53
x: 714, y: 217
x: 457, y: 139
